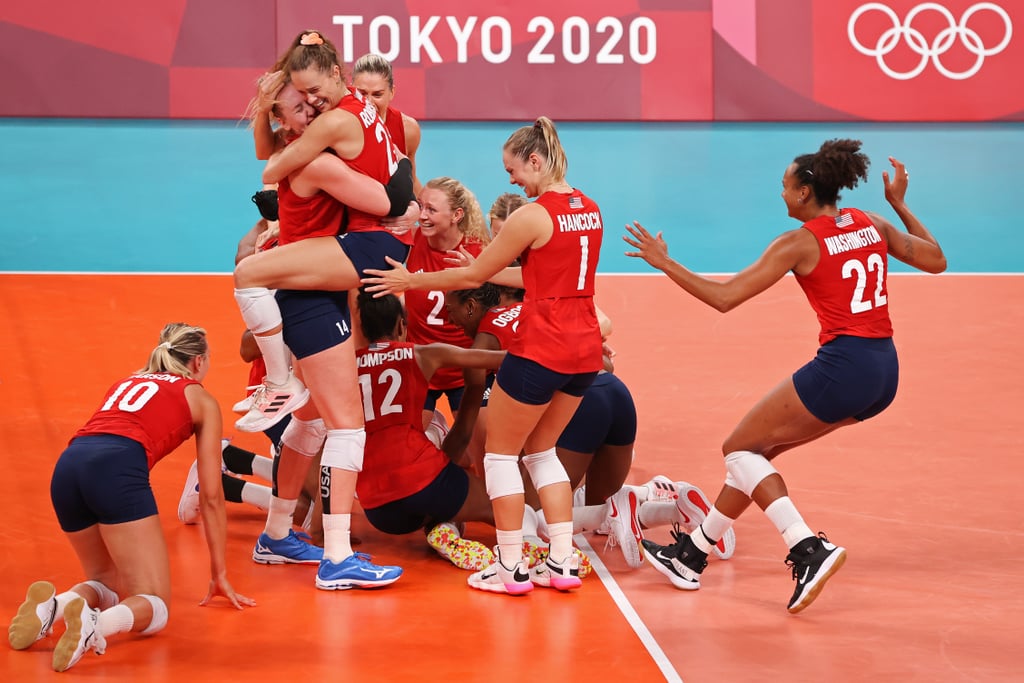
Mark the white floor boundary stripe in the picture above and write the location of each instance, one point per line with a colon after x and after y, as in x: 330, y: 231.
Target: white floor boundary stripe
x: 634, y: 620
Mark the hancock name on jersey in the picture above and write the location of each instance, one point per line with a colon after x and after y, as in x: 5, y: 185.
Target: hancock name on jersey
x: 373, y: 358
x: 573, y: 222
x: 852, y: 240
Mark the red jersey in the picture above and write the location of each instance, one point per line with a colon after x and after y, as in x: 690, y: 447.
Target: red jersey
x: 558, y: 324
x: 377, y: 159
x: 396, y: 128
x: 398, y: 460
x: 149, y: 408
x: 847, y: 289
x: 304, y: 217
x: 502, y: 322
x: 428, y: 316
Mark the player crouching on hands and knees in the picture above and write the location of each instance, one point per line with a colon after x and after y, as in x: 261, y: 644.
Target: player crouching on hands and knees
x: 102, y: 496
x: 839, y: 259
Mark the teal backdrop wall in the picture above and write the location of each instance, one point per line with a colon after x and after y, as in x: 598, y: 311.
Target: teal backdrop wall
x: 173, y: 196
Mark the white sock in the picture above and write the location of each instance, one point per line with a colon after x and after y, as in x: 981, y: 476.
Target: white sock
x: 337, y: 537
x: 510, y: 547
x: 588, y: 517
x: 117, y: 619
x: 62, y: 601
x: 716, y: 524
x: 263, y: 467
x: 657, y: 513
x: 276, y: 355
x: 258, y: 495
x: 788, y: 521
x: 560, y: 546
x: 279, y: 517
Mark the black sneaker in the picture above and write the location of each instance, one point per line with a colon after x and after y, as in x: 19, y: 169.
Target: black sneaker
x: 813, y: 560
x: 682, y: 562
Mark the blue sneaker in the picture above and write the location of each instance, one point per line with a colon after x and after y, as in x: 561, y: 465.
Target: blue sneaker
x: 354, y: 571
x: 291, y: 549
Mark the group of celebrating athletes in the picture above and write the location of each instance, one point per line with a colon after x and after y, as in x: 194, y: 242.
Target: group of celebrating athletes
x: 502, y: 323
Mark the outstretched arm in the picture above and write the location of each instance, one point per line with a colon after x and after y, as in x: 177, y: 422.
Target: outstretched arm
x: 917, y: 247
x: 784, y: 254
x: 522, y: 229
x: 430, y: 357
x: 207, y: 418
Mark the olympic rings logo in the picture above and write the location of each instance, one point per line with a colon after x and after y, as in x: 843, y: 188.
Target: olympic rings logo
x: 957, y: 30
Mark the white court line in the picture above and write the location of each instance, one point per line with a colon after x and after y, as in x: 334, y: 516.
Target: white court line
x: 634, y: 620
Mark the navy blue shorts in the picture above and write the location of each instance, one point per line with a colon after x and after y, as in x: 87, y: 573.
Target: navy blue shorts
x: 314, y: 321
x: 607, y: 415
x: 454, y: 397
x: 531, y: 383
x: 850, y: 377
x: 438, y: 501
x: 487, y: 390
x: 101, y: 479
x: 368, y: 249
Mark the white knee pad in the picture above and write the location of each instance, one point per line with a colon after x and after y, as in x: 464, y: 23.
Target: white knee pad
x: 107, y: 597
x: 259, y: 308
x: 344, y: 449
x: 545, y: 469
x: 159, y: 619
x: 747, y: 469
x: 501, y: 475
x: 304, y: 436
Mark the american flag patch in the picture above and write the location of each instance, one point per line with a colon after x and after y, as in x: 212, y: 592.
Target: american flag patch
x: 575, y: 202
x: 843, y: 220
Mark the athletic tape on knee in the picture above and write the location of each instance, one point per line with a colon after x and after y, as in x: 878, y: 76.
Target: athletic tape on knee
x: 545, y: 469
x: 159, y: 619
x: 304, y: 436
x: 344, y: 449
x: 748, y: 469
x: 259, y: 308
x: 501, y: 474
x: 107, y: 597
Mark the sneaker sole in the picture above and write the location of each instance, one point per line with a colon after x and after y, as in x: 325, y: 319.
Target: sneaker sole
x: 64, y: 653
x: 26, y: 626
x: 565, y: 585
x: 346, y: 584
x: 677, y: 581
x: 631, y: 540
x: 267, y: 422
x: 838, y: 560
x: 501, y: 588
x: 280, y: 559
